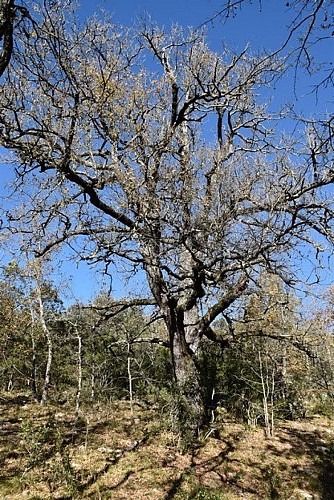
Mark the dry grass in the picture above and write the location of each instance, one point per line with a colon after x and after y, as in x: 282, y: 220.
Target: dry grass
x: 46, y: 454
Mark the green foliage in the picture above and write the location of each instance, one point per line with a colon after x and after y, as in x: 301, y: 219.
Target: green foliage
x: 330, y: 449
x: 212, y: 366
x: 106, y: 349
x: 24, y: 351
x: 177, y: 416
x: 206, y: 494
x: 274, y: 481
x: 324, y: 406
x: 230, y: 377
x: 62, y: 470
x: 46, y: 444
x: 37, y: 441
x: 201, y: 493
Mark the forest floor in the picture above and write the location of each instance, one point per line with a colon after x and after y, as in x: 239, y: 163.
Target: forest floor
x: 46, y: 453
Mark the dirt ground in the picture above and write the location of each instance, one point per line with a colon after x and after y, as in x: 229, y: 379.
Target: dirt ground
x: 46, y: 453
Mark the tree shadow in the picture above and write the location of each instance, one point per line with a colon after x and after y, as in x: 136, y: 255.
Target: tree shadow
x: 211, y: 464
x: 112, y: 461
x: 311, y: 444
x: 306, y: 456
x: 120, y: 483
x: 60, y: 435
x: 15, y: 400
x: 19, y: 445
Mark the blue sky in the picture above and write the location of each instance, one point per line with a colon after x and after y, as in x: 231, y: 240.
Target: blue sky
x: 261, y: 27
x: 260, y: 23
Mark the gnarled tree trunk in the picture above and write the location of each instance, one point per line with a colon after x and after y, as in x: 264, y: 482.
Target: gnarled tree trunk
x: 184, y: 339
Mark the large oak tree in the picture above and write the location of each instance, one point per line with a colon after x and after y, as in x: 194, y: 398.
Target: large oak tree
x: 147, y: 151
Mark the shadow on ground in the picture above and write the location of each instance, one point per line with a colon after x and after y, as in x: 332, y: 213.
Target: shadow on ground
x: 308, y: 452
x: 313, y: 444
x: 236, y: 461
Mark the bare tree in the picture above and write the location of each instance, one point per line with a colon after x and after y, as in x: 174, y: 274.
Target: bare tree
x: 149, y: 151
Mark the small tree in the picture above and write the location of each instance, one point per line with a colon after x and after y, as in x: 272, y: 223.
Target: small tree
x: 14, y: 332
x: 119, y: 349
x: 259, y: 378
x: 30, y: 313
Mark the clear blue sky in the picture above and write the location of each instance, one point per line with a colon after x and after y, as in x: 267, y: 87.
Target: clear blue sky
x: 261, y: 27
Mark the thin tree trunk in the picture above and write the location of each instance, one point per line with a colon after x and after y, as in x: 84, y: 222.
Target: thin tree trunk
x: 33, y: 368
x: 10, y: 383
x: 284, y: 371
x: 267, y: 392
x: 79, y: 362
x: 264, y: 397
x: 272, y: 402
x: 130, y: 385
x: 92, y: 385
x: 48, y: 336
x: 33, y: 356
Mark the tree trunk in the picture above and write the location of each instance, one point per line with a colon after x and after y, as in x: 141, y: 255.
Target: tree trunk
x: 10, y: 383
x: 130, y: 386
x: 92, y: 385
x: 7, y: 15
x: 184, y: 348
x: 48, y: 336
x: 33, y: 368
x: 47, y: 377
x: 79, y: 363
x: 33, y: 356
x: 181, y: 319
